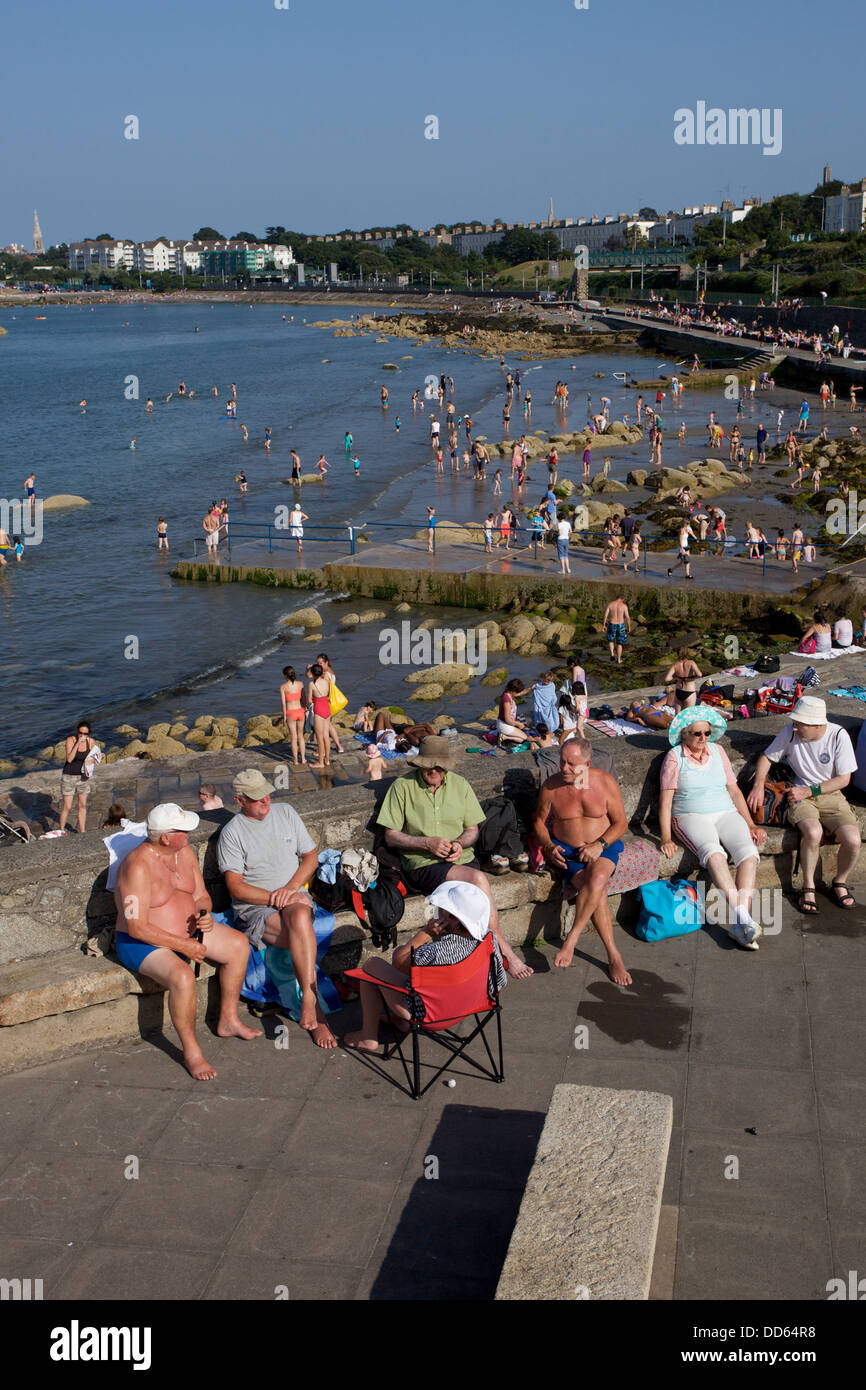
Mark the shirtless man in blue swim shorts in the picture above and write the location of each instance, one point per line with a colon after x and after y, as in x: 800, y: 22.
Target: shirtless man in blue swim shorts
x: 164, y: 922
x: 578, y: 824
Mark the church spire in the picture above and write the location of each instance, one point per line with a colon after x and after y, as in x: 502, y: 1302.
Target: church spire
x: 38, y: 243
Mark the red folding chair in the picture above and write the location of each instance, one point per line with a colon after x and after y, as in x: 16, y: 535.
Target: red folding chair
x: 446, y: 995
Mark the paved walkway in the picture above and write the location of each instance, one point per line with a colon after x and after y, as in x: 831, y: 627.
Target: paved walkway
x: 303, y: 1169
x: 729, y: 573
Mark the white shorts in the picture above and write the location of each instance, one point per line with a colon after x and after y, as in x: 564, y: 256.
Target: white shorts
x: 725, y: 832
x: 509, y: 731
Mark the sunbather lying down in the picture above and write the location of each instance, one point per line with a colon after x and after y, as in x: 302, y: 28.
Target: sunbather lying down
x: 653, y: 714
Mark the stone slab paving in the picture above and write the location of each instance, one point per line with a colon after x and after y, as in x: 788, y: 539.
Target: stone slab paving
x: 303, y: 1169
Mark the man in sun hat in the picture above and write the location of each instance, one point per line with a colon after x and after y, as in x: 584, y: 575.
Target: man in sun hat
x: 267, y: 855
x: 431, y: 817
x: 164, y: 921
x: 702, y: 805
x: 821, y: 756
x: 458, y: 918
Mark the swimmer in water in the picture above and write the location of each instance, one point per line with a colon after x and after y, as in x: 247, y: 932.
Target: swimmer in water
x: 268, y: 438
x: 132, y: 444
x: 242, y: 480
x: 215, y: 391
x: 397, y: 424
x: 181, y: 390
x: 356, y: 464
x: 149, y: 406
x: 322, y: 465
x: 83, y: 404
x: 168, y: 397
x: 348, y: 442
x: 234, y: 392
x: 245, y: 432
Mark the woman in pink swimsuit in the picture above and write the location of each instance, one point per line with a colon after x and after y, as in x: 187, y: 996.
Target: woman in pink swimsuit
x: 318, y: 693
x: 292, y: 698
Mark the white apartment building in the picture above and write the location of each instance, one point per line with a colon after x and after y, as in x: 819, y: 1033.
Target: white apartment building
x: 102, y: 255
x: 845, y: 211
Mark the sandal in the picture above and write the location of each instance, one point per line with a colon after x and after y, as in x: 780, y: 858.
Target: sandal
x: 847, y: 900
x: 810, y: 909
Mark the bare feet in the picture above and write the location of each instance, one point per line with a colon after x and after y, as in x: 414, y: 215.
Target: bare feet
x: 517, y: 967
x: 316, y: 766
x: 233, y: 1028
x: 198, y: 1068
x: 564, y: 955
x: 310, y: 1011
x: 617, y: 970
x: 359, y: 1042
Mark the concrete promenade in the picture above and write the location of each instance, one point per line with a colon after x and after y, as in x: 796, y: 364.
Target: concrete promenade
x: 304, y: 1169
x: 732, y: 573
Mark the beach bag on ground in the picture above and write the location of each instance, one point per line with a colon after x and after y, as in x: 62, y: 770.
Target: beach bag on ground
x: 336, y: 699
x: 381, y: 907
x: 809, y: 677
x: 669, y: 907
x: 767, y: 663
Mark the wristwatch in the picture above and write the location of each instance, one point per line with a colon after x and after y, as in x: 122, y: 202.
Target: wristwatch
x: 815, y: 789
x: 602, y: 841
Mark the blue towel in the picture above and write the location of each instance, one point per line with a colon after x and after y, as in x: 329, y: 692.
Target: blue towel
x: 329, y: 864
x: 544, y: 710
x: 851, y: 692
x: 270, y: 977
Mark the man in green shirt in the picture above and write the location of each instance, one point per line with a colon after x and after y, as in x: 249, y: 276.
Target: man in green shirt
x: 431, y: 818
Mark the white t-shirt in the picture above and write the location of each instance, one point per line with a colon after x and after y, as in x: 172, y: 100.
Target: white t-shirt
x: 563, y: 529
x: 843, y: 632
x: 832, y: 755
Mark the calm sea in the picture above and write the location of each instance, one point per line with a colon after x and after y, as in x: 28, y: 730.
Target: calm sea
x: 96, y: 580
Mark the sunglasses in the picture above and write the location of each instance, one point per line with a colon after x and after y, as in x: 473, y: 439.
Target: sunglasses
x: 698, y: 733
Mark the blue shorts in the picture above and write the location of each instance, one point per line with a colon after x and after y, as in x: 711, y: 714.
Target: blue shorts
x: 617, y: 634
x: 574, y: 865
x: 131, y: 952
x: 561, y: 548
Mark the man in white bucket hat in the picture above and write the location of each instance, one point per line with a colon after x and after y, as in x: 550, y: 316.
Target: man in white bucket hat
x: 822, y: 759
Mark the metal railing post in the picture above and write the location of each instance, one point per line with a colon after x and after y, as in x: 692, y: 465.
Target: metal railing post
x: 351, y: 540
x: 270, y: 540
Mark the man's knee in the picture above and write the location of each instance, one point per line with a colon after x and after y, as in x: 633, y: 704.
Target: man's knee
x: 181, y: 981
x: 811, y: 831
x: 849, y: 835
x: 475, y: 876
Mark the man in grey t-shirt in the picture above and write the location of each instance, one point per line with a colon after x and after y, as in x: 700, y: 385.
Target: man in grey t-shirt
x: 266, y: 854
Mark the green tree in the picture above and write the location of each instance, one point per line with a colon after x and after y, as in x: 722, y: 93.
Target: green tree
x: 208, y: 234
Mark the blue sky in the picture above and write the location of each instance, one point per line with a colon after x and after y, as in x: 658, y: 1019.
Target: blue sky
x: 314, y: 116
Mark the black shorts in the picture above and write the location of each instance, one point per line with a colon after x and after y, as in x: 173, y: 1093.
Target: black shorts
x: 428, y: 878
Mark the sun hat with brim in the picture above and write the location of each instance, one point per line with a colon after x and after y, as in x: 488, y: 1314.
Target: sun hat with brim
x: 435, y: 752
x: 467, y: 903
x: 168, y: 816
x: 252, y: 784
x: 809, y: 709
x: 693, y: 715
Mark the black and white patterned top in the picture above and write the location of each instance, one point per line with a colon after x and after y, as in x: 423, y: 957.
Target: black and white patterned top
x: 451, y: 950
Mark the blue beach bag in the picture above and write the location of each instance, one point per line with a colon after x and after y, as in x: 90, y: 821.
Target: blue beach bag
x: 669, y: 907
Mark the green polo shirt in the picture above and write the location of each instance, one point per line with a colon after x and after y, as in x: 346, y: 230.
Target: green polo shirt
x: 415, y: 809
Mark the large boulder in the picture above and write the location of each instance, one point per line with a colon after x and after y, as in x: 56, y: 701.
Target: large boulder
x: 637, y: 477
x: 608, y: 485
x: 165, y: 747
x: 664, y: 479
x: 447, y: 673
x: 157, y: 731
x: 564, y: 488
x: 450, y: 533
x: 305, y: 617
x: 372, y: 615
x: 431, y: 691
x: 63, y: 501
x: 519, y: 630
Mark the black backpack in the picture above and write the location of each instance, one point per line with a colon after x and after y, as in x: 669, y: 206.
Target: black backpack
x: 380, y: 907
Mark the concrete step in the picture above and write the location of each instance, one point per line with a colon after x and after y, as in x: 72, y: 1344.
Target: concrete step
x: 588, y: 1220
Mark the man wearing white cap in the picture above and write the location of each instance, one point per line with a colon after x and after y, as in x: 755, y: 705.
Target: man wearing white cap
x: 267, y: 855
x: 822, y: 759
x: 164, y: 921
x: 459, y: 918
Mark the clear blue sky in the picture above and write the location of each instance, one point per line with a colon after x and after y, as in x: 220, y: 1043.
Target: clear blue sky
x: 313, y: 117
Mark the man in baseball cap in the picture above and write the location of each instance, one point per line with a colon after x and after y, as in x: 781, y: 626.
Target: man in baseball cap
x: 822, y: 758
x: 164, y: 921
x: 267, y: 855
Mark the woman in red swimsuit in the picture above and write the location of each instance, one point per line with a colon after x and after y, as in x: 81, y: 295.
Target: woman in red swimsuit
x: 292, y: 698
x: 318, y: 695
